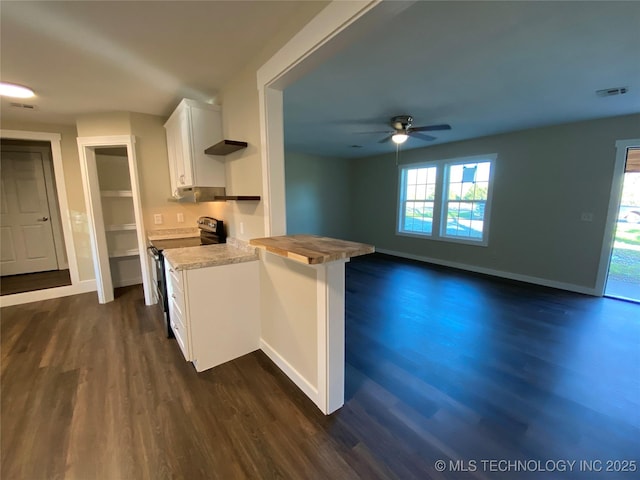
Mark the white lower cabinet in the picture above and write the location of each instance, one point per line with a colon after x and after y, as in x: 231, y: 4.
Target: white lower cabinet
x: 214, y: 312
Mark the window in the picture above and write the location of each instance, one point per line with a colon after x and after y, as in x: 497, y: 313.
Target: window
x: 419, y: 199
x: 447, y: 200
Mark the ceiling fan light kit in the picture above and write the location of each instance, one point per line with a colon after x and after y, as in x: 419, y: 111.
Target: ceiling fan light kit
x: 403, y: 129
x: 399, y: 137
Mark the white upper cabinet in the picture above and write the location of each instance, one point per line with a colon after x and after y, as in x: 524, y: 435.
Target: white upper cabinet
x: 191, y: 128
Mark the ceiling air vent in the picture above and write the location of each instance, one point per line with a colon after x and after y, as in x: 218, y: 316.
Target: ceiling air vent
x: 24, y: 106
x: 610, y: 92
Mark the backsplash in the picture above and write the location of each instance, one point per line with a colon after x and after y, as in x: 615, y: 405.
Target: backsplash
x: 190, y: 214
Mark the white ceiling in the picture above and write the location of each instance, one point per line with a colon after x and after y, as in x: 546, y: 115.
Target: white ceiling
x: 483, y: 67
x: 140, y: 56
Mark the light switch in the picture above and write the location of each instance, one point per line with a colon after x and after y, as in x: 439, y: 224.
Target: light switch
x: 157, y: 218
x: 180, y: 217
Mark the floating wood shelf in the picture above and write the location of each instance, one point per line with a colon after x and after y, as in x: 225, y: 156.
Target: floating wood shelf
x: 225, y: 147
x: 253, y: 198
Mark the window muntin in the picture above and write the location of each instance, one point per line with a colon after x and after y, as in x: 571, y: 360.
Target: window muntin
x: 418, y: 202
x: 467, y: 188
x: 447, y: 199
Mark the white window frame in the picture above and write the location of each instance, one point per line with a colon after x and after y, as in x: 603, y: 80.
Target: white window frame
x: 401, y: 200
x: 438, y: 230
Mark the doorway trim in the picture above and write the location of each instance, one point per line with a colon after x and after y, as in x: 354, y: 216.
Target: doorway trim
x: 339, y: 24
x: 54, y: 210
x: 62, y: 262
x: 76, y: 286
x: 612, y: 212
x: 99, y: 250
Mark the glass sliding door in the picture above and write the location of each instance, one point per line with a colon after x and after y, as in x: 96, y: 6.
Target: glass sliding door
x: 623, y: 280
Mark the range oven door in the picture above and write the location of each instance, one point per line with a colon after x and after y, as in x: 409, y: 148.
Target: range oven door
x: 161, y: 287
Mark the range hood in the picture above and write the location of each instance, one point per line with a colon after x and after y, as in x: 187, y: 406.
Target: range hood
x: 208, y: 194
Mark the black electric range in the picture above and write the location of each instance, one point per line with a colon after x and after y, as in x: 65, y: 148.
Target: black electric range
x: 211, y: 233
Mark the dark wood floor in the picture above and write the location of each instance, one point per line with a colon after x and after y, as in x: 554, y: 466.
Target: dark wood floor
x: 441, y: 365
x: 28, y: 282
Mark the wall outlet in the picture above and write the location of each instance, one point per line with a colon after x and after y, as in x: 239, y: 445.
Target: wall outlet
x: 241, y: 228
x: 157, y: 218
x: 586, y: 217
x: 180, y: 217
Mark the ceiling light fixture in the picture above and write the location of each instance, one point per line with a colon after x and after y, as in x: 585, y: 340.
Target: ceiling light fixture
x: 15, y: 91
x: 399, y: 137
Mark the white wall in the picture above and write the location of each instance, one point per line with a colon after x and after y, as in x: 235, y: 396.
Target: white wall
x: 545, y: 178
x: 241, y: 121
x: 243, y: 168
x: 289, y: 322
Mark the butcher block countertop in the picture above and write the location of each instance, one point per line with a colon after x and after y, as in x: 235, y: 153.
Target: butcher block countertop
x: 209, y: 256
x: 312, y: 249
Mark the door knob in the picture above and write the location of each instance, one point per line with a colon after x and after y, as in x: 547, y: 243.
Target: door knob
x: 43, y: 219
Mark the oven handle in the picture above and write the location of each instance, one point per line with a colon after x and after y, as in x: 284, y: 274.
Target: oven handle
x: 154, y: 252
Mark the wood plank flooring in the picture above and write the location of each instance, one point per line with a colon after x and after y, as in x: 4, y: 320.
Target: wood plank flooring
x: 441, y: 365
x: 28, y: 282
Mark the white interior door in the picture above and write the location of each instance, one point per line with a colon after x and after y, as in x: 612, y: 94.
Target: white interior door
x: 26, y: 234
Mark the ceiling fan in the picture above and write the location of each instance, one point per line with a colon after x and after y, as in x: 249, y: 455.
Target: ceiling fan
x: 403, y: 129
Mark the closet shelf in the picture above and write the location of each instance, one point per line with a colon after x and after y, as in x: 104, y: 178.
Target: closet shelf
x: 132, y: 252
x: 116, y: 193
x: 120, y: 227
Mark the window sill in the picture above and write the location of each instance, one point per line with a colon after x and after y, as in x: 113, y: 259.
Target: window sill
x: 476, y: 243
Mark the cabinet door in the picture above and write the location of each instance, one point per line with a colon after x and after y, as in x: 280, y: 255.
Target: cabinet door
x: 190, y: 130
x: 184, y: 159
x: 173, y: 142
x: 179, y: 148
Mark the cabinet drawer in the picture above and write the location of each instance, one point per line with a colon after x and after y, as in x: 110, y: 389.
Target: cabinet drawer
x: 175, y: 277
x: 181, y: 338
x: 176, y: 296
x: 177, y: 315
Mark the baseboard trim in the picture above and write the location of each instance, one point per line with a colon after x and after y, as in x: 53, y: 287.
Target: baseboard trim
x: 295, y: 376
x: 49, y: 293
x: 496, y: 273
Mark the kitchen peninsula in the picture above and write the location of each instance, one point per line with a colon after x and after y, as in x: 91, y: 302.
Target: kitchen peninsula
x: 302, y: 289
x: 284, y: 295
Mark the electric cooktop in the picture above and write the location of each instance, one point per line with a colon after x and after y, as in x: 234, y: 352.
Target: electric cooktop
x: 176, y: 243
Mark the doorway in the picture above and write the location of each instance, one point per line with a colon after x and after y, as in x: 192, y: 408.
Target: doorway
x: 623, y: 278
x: 33, y: 251
x: 112, y: 195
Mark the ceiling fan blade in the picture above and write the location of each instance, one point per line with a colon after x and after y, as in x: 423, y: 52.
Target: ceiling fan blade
x: 386, y: 139
x: 431, y: 128
x: 421, y: 136
x: 376, y: 132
